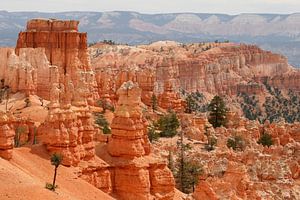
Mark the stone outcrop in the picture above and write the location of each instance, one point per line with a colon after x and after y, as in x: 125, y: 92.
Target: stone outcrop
x: 170, y: 99
x: 129, y: 153
x: 49, y: 51
x: 223, y: 69
x: 128, y: 130
x: 257, y: 172
x: 7, y: 134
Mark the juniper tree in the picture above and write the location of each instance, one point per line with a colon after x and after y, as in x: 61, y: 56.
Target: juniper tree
x: 154, y: 102
x: 191, y: 105
x: 218, y: 112
x: 168, y: 125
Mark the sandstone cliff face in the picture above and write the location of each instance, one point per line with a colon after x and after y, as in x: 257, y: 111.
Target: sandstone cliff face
x: 49, y: 51
x: 224, y: 68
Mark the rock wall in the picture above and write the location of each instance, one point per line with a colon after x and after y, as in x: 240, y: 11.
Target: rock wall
x: 223, y: 68
x: 49, y: 51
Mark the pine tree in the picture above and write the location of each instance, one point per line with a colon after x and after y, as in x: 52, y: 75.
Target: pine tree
x: 102, y: 122
x: 188, y: 171
x: 154, y: 102
x: 191, y: 105
x: 218, y: 112
x: 56, y: 160
x: 171, y: 162
x: 168, y: 125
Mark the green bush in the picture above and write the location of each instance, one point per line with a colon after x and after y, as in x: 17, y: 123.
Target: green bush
x: 211, y: 143
x: 191, y: 105
x: 265, y: 139
x: 187, y: 175
x: 49, y: 186
x: 105, y: 105
x: 152, y: 135
x: 168, y: 125
x: 102, y: 122
x: 218, y: 112
x: 236, y: 143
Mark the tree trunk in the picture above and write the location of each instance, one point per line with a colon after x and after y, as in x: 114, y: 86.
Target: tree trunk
x: 181, y: 161
x: 54, y: 179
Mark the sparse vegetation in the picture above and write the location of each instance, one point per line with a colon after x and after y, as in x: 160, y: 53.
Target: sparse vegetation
x: 265, y: 139
x: 17, y: 139
x: 237, y: 143
x: 152, y: 134
x: 188, y: 170
x: 27, y: 102
x: 110, y: 42
x: 102, y: 123
x: 191, y: 105
x: 211, y: 143
x: 218, y: 112
x: 168, y: 125
x: 250, y: 107
x: 153, y: 102
x: 56, y: 160
x: 105, y: 105
x: 195, y: 102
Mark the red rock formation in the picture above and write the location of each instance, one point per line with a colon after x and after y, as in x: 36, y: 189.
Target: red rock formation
x: 223, y: 69
x: 7, y: 134
x: 129, y: 153
x: 250, y: 88
x: 64, y: 46
x: 170, y: 99
x: 128, y: 128
x: 49, y: 51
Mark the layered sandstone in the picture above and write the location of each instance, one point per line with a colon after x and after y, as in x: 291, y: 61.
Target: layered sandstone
x: 257, y: 172
x: 129, y: 153
x: 49, y: 51
x: 208, y: 68
x: 7, y: 134
x: 128, y: 130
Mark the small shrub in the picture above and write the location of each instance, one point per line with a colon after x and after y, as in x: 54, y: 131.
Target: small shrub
x: 191, y: 105
x: 168, y: 125
x: 265, y: 139
x: 236, y: 143
x: 105, y: 105
x: 49, y: 186
x: 106, y: 130
x: 17, y: 139
x: 102, y: 122
x: 211, y: 143
x: 152, y: 135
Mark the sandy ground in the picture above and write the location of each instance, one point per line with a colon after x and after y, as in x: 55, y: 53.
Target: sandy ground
x: 25, y: 176
x: 37, y: 110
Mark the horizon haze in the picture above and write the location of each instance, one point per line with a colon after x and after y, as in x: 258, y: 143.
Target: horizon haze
x: 232, y: 7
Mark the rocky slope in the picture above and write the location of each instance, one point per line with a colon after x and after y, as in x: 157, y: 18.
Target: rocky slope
x: 214, y: 68
x: 255, y: 172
